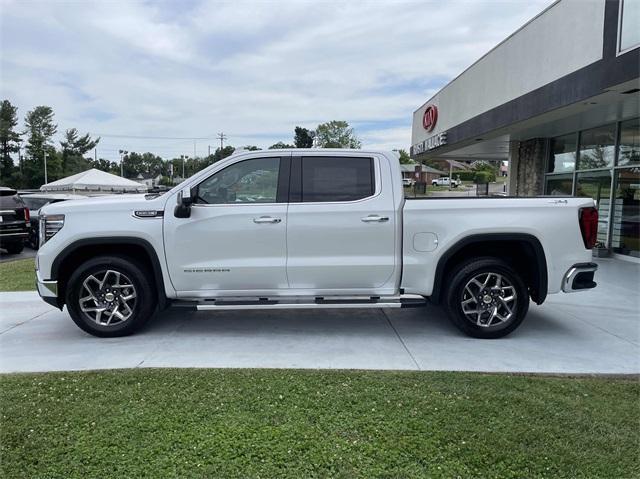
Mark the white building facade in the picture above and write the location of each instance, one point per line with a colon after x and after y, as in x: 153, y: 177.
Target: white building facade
x: 560, y: 100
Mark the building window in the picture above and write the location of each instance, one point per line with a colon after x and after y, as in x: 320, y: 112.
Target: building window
x: 629, y: 36
x: 597, y: 147
x: 563, y: 154
x: 629, y: 153
x: 559, y: 185
x: 625, y: 231
x: 597, y: 185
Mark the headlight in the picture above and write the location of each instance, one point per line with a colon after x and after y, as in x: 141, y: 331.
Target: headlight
x: 49, y: 226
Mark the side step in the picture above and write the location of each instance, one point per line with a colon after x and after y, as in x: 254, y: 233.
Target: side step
x: 334, y: 302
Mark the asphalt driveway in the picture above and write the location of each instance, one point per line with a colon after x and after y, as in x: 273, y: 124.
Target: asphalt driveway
x: 593, y: 332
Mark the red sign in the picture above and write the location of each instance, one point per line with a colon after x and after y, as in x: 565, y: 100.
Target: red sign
x: 430, y: 118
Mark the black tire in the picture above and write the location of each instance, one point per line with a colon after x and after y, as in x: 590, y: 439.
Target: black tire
x: 144, y: 305
x: 13, y: 248
x: 456, y: 293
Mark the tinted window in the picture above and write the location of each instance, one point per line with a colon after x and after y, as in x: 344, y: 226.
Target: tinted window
x: 597, y: 147
x: 34, y: 203
x: 563, y: 153
x: 249, y: 181
x: 336, y: 179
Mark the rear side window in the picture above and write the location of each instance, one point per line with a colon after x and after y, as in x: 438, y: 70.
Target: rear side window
x: 337, y: 179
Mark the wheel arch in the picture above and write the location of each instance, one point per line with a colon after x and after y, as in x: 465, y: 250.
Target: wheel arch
x: 523, y: 251
x: 81, y: 250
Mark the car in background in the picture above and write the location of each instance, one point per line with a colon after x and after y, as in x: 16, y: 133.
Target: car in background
x: 408, y: 182
x: 35, y: 201
x: 444, y: 181
x: 14, y: 221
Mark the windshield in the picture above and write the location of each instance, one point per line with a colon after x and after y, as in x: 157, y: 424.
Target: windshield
x: 35, y: 203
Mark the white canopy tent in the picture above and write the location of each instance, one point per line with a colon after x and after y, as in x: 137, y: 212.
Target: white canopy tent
x: 95, y: 181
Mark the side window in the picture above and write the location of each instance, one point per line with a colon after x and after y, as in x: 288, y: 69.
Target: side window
x: 337, y: 179
x: 249, y: 181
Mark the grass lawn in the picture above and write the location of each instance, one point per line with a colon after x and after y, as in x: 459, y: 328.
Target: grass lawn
x: 284, y: 423
x: 18, y: 275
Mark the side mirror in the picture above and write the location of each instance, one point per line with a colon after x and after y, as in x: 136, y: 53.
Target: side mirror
x: 184, y: 200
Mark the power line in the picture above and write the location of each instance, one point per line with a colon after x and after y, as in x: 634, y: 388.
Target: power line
x: 142, y: 137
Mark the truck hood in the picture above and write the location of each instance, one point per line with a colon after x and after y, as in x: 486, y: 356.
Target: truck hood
x: 106, y: 203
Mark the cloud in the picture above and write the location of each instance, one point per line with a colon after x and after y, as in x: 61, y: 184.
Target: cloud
x: 251, y: 69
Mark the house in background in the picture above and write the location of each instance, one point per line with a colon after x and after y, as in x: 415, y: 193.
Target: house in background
x: 420, y: 173
x: 150, y: 180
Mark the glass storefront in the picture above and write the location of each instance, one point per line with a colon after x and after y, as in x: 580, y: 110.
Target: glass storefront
x: 599, y: 164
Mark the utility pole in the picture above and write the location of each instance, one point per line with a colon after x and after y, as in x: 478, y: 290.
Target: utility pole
x: 221, y: 136
x: 122, y: 153
x: 450, y: 174
x: 209, y: 150
x: 194, y: 149
x: 45, y: 167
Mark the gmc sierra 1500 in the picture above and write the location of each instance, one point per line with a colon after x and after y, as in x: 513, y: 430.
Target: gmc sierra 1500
x: 310, y: 229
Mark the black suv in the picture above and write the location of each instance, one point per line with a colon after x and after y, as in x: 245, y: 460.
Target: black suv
x: 14, y: 221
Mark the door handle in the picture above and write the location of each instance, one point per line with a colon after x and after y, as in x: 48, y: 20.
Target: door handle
x: 375, y: 219
x: 266, y: 219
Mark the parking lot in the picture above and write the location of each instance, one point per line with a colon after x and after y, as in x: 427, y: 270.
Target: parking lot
x: 592, y: 332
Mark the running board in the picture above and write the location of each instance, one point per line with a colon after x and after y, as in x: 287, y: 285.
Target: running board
x: 227, y: 304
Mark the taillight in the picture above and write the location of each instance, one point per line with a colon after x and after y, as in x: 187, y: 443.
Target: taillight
x: 27, y: 215
x: 589, y: 226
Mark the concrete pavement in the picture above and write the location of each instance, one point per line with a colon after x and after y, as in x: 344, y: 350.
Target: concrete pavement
x: 592, y: 332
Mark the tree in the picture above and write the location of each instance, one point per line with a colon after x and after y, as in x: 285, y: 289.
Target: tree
x: 146, y: 163
x: 105, y: 165
x: 9, y: 139
x: 74, y: 147
x: 405, y: 159
x: 303, y: 138
x: 40, y: 130
x: 251, y: 148
x: 336, y: 134
x: 280, y: 146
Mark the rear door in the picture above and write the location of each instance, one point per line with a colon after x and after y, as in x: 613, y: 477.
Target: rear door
x: 341, y: 225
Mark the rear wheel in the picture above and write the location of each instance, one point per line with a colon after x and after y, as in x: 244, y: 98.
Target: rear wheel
x: 486, y: 298
x: 110, y: 296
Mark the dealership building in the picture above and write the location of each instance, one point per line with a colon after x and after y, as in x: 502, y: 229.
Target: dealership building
x: 560, y: 100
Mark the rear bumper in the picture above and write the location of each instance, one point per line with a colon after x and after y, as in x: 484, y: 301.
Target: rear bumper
x: 579, y: 278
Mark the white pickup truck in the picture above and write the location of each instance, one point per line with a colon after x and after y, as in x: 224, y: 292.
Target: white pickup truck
x: 310, y: 229
x: 444, y: 181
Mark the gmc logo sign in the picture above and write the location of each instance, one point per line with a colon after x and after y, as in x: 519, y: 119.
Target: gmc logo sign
x: 430, y: 118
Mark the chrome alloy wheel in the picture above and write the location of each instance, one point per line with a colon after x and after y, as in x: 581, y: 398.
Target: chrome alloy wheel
x: 489, y: 299
x: 108, y: 298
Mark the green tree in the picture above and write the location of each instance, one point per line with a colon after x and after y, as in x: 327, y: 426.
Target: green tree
x: 146, y: 163
x: 74, y: 147
x: 40, y: 129
x: 336, y: 134
x: 251, y: 148
x: 405, y: 159
x: 9, y: 140
x: 105, y: 165
x: 280, y: 145
x: 303, y: 138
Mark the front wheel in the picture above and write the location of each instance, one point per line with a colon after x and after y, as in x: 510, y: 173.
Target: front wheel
x: 110, y: 296
x: 486, y: 298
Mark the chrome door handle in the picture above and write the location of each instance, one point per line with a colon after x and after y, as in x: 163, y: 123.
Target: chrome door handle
x: 375, y: 219
x: 267, y: 219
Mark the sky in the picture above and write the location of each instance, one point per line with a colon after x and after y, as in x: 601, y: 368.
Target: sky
x: 150, y: 76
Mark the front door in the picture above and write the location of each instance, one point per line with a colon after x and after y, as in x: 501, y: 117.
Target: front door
x: 235, y: 239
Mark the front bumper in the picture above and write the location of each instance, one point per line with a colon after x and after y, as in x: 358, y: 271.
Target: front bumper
x: 579, y: 278
x: 48, y: 290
